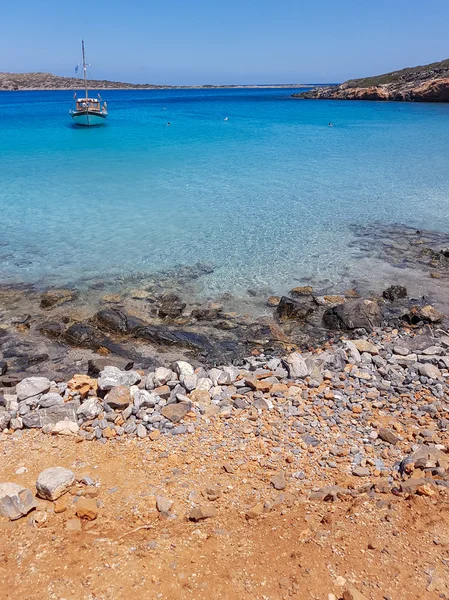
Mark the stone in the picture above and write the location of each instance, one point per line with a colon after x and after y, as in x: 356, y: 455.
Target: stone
x: 361, y: 472
x: 89, y: 409
x: 145, y: 399
x: 58, y: 412
x: 96, y: 365
x: 305, y: 290
x: 5, y: 419
x: 141, y: 431
x: 181, y: 367
x: 394, y: 292
x: 351, y: 593
x: 50, y: 399
x: 171, y: 306
x: 365, y: 346
x: 294, y: 310
x: 255, y: 511
x: 425, y: 457
x: 118, y: 398
x: 425, y: 314
x: 73, y: 525
x: 273, y: 301
x: 176, y: 412
x: 429, y: 370
x: 32, y: 386
x: 388, y: 436
x: 82, y: 385
x: 54, y: 482
x: 163, y: 504
x: 201, y: 397
x: 86, y: 508
x: 204, y: 511
x: 162, y: 376
x: 296, y: 366
x: 112, y: 377
x: 278, y: 481
x: 62, y: 504
x: 16, y: 501
x: 55, y: 297
x: 65, y: 428
x: 154, y: 435
x: 354, y: 314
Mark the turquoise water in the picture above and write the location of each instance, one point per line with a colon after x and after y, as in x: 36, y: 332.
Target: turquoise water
x: 266, y: 198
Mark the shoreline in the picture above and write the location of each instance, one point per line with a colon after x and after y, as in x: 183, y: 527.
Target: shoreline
x: 163, y: 87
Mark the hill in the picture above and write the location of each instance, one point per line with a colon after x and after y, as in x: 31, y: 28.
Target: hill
x: 428, y: 83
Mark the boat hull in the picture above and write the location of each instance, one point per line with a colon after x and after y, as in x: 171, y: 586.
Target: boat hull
x: 88, y: 118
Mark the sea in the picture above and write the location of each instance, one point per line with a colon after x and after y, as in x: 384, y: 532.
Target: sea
x: 251, y: 183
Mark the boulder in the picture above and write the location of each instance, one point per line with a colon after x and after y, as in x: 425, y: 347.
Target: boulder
x: 294, y: 310
x: 54, y: 482
x: 96, y: 365
x: 15, y: 501
x: 354, y: 314
x: 32, y: 386
x: 112, y: 377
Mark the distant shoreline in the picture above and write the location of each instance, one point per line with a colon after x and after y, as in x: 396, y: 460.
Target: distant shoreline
x: 164, y: 87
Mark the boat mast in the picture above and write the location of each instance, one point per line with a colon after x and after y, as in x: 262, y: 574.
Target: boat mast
x: 84, y: 70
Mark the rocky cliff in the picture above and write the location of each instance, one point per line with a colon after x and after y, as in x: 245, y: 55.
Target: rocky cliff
x: 429, y: 83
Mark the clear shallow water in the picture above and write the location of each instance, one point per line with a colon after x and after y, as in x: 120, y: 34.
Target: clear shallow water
x: 265, y: 197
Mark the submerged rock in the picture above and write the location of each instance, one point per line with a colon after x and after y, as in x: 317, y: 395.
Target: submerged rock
x: 55, y: 297
x: 394, y: 292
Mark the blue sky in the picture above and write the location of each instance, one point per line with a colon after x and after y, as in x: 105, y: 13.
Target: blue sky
x: 238, y: 41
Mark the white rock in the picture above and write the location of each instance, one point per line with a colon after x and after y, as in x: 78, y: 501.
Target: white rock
x: 181, y: 367
x: 15, y: 501
x: 204, y: 383
x: 430, y: 371
x: 296, y: 366
x: 65, y: 428
x: 32, y: 386
x: 112, y: 377
x: 50, y: 399
x: 162, y: 375
x: 54, y: 482
x: 145, y: 399
x: 189, y: 382
x: 89, y: 409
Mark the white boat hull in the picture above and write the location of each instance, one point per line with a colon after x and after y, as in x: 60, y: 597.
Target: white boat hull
x: 88, y: 119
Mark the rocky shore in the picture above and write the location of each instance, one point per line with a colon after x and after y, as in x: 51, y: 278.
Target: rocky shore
x: 151, y: 425
x: 429, y: 83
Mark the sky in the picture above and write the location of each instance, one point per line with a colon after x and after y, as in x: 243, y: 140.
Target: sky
x: 188, y: 42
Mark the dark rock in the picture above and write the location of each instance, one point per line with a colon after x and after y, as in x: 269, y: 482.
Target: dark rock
x: 394, y: 292
x: 171, y: 306
x: 354, y: 314
x: 96, y: 365
x: 206, y: 313
x: 3, y: 367
x: 115, y: 320
x: 51, y: 329
x: 289, y: 309
x: 305, y: 290
x: 82, y: 335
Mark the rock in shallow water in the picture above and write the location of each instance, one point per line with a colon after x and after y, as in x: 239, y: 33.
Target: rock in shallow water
x: 355, y: 314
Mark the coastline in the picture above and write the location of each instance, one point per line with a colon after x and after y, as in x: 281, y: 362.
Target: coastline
x: 162, y: 87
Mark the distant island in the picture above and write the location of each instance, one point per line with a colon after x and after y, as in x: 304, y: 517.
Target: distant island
x: 48, y: 81
x: 428, y: 83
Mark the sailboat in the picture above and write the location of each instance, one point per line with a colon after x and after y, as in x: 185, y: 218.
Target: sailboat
x: 88, y: 111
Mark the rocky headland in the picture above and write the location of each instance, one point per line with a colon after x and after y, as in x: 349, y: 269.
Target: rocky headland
x: 429, y: 83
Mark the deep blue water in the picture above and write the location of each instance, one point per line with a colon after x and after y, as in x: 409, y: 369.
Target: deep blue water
x: 265, y: 197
